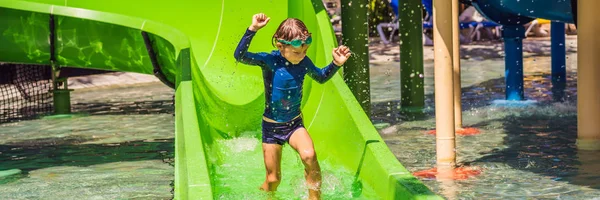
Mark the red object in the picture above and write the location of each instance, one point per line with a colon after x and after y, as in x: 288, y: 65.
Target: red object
x: 463, y: 131
x: 459, y: 173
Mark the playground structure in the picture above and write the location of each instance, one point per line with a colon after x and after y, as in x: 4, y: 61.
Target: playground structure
x: 217, y: 99
x: 187, y: 45
x: 511, y: 15
x: 581, y: 12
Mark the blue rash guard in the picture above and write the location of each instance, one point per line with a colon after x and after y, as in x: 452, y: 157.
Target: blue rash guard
x: 283, y: 80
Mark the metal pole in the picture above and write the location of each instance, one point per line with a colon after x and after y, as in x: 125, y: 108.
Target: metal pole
x: 61, y: 97
x: 513, y: 49
x: 559, y: 69
x: 355, y: 36
x: 411, y: 58
x: 444, y: 84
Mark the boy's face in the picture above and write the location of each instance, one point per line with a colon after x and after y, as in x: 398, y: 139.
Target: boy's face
x: 292, y: 54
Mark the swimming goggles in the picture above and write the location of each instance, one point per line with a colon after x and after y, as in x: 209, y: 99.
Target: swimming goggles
x: 297, y: 42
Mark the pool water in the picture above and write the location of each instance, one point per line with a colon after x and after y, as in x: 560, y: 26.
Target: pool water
x: 240, y: 172
x: 109, y: 171
x: 525, y: 152
x: 122, y: 148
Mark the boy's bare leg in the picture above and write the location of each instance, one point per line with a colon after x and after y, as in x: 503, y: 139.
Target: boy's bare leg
x: 272, y: 155
x: 303, y: 144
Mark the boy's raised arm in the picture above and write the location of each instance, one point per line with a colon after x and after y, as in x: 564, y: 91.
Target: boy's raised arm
x: 241, y: 53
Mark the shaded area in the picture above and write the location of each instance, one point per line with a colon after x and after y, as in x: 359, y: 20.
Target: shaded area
x: 50, y: 152
x: 114, y: 171
x: 545, y: 144
x: 525, y: 152
x: 126, y: 107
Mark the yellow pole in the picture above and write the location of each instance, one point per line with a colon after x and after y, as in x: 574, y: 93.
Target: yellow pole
x: 588, y: 83
x: 444, y: 95
x: 456, y: 65
x: 449, y: 188
x: 587, y: 164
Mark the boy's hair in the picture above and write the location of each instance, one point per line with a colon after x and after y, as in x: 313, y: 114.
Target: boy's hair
x: 290, y: 29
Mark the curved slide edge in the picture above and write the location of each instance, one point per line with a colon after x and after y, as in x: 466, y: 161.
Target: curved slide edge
x: 373, y: 161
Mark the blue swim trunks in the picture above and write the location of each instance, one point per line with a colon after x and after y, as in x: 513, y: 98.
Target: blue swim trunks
x: 280, y: 133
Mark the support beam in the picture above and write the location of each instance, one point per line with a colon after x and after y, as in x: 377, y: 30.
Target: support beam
x: 53, y: 64
x: 412, y: 94
x: 559, y: 68
x: 444, y: 84
x: 355, y: 35
x: 184, y: 69
x: 588, y: 83
x: 52, y: 27
x: 154, y: 59
x: 513, y: 50
x: 61, y: 96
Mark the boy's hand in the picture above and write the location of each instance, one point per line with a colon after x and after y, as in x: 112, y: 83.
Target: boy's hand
x: 341, y: 55
x: 258, y: 21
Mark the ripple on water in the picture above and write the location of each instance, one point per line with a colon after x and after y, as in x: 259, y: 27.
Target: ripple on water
x: 525, y: 152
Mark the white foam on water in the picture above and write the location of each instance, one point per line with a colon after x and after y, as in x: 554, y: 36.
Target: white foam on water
x: 513, y: 103
x: 241, y: 144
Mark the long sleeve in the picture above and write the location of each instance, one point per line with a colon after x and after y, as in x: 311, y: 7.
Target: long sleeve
x: 242, y: 55
x: 321, y: 75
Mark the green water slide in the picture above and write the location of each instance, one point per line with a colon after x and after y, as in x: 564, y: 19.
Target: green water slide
x: 190, y: 43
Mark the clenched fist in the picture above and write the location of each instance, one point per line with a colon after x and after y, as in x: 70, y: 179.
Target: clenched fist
x: 258, y: 21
